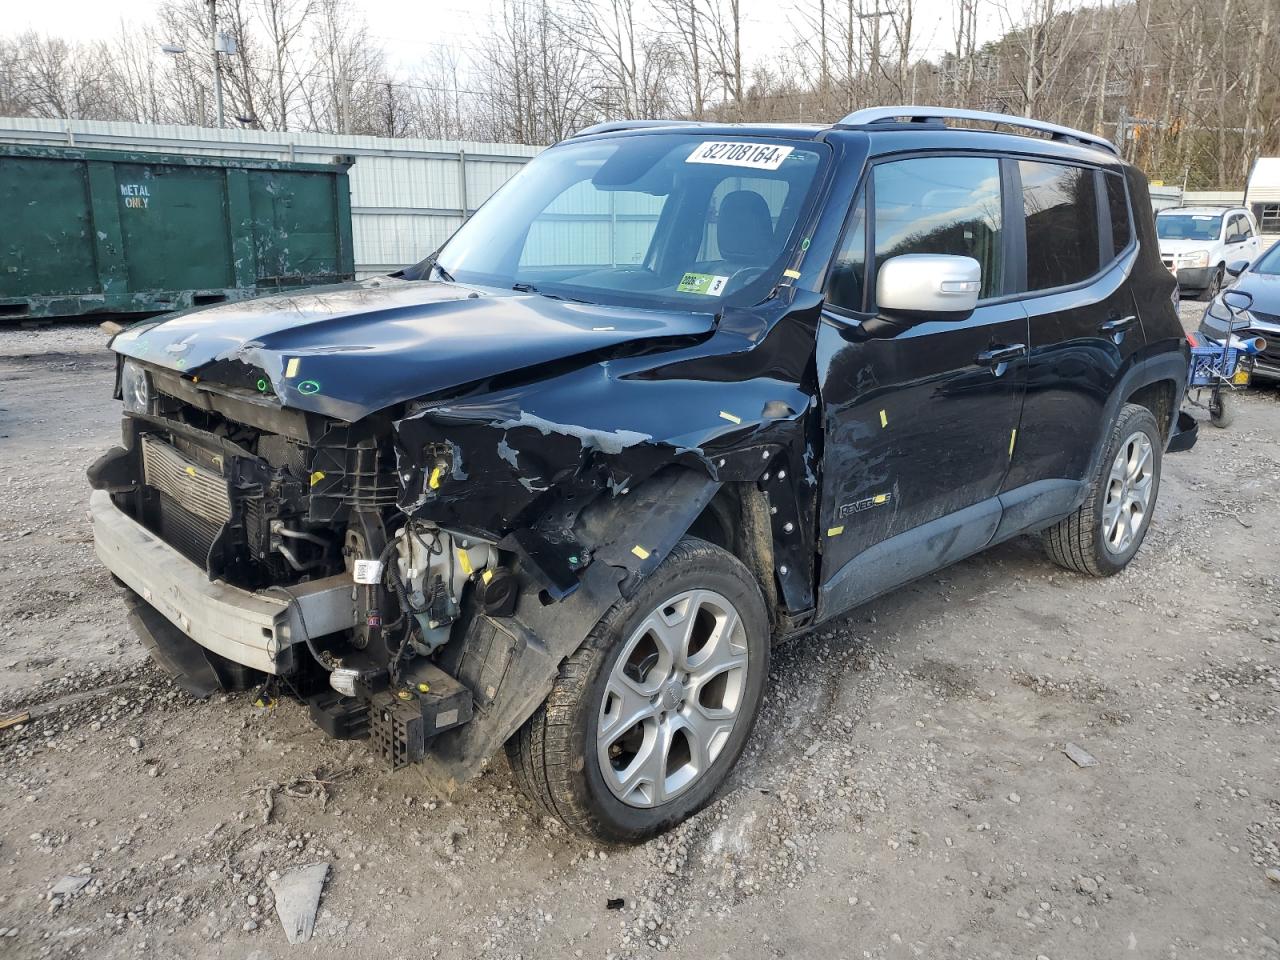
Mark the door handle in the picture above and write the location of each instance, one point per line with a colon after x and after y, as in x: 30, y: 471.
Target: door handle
x: 998, y: 355
x: 1117, y: 324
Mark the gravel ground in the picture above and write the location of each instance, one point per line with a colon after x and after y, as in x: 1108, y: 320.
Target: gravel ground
x: 906, y: 793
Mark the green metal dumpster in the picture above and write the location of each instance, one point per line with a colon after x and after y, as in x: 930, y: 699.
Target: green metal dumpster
x: 105, y: 231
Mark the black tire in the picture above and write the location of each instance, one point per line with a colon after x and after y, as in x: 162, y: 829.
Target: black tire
x: 553, y: 755
x: 1077, y: 542
x: 1214, y: 286
x: 1222, y: 410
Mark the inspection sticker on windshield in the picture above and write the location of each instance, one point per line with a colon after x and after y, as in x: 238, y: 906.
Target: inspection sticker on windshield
x: 703, y: 283
x: 758, y: 156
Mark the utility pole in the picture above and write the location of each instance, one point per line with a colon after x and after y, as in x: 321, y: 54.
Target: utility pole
x: 217, y: 63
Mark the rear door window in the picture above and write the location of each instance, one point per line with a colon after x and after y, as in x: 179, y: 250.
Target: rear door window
x: 1061, y: 214
x: 941, y: 205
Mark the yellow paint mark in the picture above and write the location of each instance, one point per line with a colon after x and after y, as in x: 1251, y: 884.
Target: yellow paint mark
x: 191, y: 471
x: 487, y: 576
x: 640, y: 552
x: 884, y: 419
x: 292, y: 369
x: 835, y: 531
x: 424, y: 688
x: 434, y: 482
x: 791, y: 274
x: 1013, y: 438
x: 317, y: 477
x: 880, y: 498
x: 730, y: 417
x: 465, y: 562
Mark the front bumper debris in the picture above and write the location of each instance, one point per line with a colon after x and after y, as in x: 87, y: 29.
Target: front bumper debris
x: 253, y: 628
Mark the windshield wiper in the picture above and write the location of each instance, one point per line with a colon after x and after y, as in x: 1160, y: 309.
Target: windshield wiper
x: 444, y: 274
x: 522, y: 287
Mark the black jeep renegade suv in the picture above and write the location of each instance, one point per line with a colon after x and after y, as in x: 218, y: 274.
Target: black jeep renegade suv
x: 678, y: 391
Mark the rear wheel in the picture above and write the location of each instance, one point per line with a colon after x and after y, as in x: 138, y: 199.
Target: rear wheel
x: 647, y: 718
x: 1103, y: 535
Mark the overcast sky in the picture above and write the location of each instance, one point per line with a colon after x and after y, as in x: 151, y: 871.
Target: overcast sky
x: 409, y: 30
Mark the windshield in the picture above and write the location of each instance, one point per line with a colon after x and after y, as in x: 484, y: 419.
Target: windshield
x: 1269, y: 262
x: 659, y: 220
x: 1188, y: 226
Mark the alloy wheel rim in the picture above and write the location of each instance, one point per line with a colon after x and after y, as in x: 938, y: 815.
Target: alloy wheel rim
x: 673, y: 698
x: 1128, y: 495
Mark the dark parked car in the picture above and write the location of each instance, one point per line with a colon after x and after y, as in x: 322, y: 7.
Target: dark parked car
x: 677, y: 392
x: 1261, y: 282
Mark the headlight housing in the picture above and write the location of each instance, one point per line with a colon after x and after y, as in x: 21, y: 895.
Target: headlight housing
x: 1196, y: 258
x: 135, y: 387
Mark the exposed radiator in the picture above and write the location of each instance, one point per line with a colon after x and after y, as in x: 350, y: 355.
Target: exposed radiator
x: 198, y: 490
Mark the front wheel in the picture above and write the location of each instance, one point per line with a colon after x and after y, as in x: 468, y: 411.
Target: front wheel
x: 648, y: 717
x: 1103, y: 535
x: 1214, y: 286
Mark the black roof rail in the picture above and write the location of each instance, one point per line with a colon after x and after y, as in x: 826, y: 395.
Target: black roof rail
x: 875, y: 115
x: 613, y: 126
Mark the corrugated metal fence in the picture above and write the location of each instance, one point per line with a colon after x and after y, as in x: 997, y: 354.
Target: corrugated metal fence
x: 407, y: 196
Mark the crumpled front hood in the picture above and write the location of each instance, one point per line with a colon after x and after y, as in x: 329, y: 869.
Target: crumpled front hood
x: 349, y: 350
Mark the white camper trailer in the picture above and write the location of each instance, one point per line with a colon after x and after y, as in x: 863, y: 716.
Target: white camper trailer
x: 1262, y: 196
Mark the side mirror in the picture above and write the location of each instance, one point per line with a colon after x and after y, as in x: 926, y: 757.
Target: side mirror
x: 927, y: 284
x: 1237, y: 267
x: 1237, y: 300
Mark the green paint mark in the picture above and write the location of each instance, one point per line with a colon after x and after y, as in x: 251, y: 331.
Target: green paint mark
x: 804, y: 244
x: 262, y: 385
x: 308, y: 387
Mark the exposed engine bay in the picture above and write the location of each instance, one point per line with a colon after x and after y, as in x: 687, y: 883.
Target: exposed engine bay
x: 456, y: 547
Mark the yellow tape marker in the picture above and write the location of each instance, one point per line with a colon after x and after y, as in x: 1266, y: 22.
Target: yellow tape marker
x: 292, y: 369
x: 835, y: 531
x: 640, y: 552
x: 730, y: 417
x: 884, y: 419
x: 465, y: 562
x: 1013, y: 438
x: 434, y: 482
x: 880, y: 498
x: 791, y: 274
x: 317, y: 477
x: 487, y: 576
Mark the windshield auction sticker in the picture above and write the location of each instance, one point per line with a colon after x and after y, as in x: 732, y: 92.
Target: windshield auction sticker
x: 703, y: 283
x: 757, y: 156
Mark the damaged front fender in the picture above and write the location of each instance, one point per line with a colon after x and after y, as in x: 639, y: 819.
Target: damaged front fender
x: 519, y: 464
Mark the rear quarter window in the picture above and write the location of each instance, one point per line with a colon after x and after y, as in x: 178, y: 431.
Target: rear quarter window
x: 1118, y: 207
